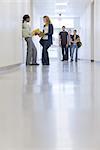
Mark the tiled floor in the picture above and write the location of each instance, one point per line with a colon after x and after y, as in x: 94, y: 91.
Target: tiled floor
x: 51, y: 108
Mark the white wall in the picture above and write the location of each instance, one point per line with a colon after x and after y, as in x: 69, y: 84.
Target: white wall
x: 97, y: 30
x: 11, y: 12
x: 85, y: 34
x: 36, y: 24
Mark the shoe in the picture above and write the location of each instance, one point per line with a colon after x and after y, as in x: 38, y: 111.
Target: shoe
x: 71, y: 60
x: 62, y: 60
x: 76, y: 60
x: 36, y: 64
x: 45, y: 64
x: 27, y: 64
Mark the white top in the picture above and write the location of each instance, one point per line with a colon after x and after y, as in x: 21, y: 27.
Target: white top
x: 26, y: 30
x: 46, y: 28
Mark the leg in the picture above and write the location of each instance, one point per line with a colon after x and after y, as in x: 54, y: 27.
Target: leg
x: 42, y: 42
x: 43, y: 61
x: 34, y: 53
x: 29, y: 51
x: 76, y: 54
x: 45, y: 55
x: 66, y: 50
x: 63, y: 52
x: 72, y: 52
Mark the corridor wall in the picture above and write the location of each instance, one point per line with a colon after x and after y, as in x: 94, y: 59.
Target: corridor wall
x: 11, y: 12
x: 85, y: 34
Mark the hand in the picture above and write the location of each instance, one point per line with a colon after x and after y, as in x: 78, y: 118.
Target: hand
x: 60, y: 44
x: 36, y: 33
x: 75, y: 42
x: 39, y: 35
x: 72, y: 42
x: 66, y: 45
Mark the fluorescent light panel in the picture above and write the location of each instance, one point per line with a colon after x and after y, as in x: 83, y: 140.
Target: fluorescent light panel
x: 61, y: 4
x: 60, y: 10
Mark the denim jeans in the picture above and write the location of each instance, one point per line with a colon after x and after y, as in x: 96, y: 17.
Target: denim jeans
x: 64, y: 52
x: 74, y: 47
x: 45, y: 55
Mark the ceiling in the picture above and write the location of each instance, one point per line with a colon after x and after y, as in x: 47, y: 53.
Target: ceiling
x: 68, y: 8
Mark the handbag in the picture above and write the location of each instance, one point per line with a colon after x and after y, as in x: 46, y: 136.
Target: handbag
x: 79, y: 44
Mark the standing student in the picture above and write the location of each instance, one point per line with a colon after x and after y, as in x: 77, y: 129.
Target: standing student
x: 31, y: 49
x: 63, y: 41
x: 69, y: 39
x: 46, y: 41
x: 75, y: 41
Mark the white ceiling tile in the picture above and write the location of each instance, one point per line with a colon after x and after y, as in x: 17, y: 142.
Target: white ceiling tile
x: 48, y: 7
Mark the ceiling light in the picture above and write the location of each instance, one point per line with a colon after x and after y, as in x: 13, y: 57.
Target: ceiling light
x: 61, y: 4
x: 60, y: 10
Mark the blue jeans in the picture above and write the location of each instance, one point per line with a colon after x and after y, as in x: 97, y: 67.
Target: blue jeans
x: 74, y: 47
x: 69, y: 48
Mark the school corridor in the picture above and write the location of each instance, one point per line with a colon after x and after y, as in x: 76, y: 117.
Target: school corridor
x: 54, y: 107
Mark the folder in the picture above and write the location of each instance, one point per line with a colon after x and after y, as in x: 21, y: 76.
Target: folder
x: 37, y: 32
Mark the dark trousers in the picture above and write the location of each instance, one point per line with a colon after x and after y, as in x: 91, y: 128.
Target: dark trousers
x: 64, y: 52
x: 45, y: 55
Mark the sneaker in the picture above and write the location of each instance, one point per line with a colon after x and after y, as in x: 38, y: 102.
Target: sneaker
x: 62, y: 60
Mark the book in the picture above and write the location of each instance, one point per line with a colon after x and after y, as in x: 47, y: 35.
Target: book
x: 37, y: 32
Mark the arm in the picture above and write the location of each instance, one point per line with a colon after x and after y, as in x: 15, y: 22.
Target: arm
x: 60, y: 39
x: 72, y: 40
x: 50, y: 32
x: 67, y: 41
x: 77, y: 39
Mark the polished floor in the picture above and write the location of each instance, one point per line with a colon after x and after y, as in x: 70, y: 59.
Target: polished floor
x: 50, y: 108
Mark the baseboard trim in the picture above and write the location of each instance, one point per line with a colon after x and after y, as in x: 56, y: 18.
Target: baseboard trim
x: 86, y: 60
x: 10, y: 67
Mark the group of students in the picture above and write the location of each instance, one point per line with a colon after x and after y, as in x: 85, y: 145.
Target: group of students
x: 69, y: 43
x: 45, y: 41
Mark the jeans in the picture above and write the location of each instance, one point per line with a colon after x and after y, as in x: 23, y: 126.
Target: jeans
x: 74, y: 47
x: 64, y: 52
x: 45, y: 55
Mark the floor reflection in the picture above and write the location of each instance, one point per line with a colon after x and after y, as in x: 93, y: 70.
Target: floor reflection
x: 54, y: 107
